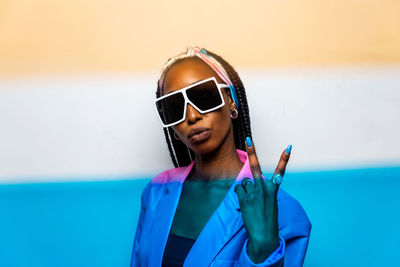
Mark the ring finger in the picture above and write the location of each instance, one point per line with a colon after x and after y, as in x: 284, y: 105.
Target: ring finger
x: 248, y: 185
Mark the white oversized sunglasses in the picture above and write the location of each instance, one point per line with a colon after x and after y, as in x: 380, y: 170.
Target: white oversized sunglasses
x: 205, y: 96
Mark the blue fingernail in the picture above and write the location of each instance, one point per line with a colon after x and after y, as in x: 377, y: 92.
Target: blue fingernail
x: 248, y: 141
x: 288, y: 149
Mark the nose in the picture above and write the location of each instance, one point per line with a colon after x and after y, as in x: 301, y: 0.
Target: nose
x: 192, y: 115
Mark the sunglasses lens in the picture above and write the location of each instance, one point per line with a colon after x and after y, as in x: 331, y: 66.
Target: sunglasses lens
x: 205, y: 96
x: 171, y: 108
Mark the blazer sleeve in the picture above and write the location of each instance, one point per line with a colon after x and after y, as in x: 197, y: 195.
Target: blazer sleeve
x: 274, y: 260
x: 135, y: 258
x: 291, y: 251
x: 297, y: 244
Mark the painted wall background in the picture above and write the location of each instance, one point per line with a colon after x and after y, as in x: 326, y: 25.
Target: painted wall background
x: 73, y: 36
x: 79, y: 137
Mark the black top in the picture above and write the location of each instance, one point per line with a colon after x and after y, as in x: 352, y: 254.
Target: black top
x: 176, y: 250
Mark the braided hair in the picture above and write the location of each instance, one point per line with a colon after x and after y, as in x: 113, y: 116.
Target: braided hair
x: 181, y: 154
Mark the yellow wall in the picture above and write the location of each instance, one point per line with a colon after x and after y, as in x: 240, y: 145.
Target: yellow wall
x: 53, y: 36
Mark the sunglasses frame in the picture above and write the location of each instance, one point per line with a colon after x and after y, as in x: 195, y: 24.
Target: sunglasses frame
x: 187, y: 101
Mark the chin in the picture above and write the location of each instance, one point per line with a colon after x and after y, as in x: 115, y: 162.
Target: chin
x: 203, y: 148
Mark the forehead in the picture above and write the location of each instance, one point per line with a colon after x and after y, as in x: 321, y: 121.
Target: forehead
x: 187, y: 72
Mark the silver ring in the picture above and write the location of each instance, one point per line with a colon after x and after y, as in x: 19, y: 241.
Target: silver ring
x: 246, y: 181
x: 277, y: 178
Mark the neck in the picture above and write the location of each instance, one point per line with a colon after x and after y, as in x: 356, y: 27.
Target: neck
x: 223, y: 163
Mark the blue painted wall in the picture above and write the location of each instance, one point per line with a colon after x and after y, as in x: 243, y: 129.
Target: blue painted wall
x: 354, y: 213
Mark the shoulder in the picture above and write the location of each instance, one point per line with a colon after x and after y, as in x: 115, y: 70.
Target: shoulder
x: 292, y: 215
x: 155, y: 188
x: 169, y: 176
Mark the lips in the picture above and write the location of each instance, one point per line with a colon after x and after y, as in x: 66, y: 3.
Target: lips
x: 199, y: 134
x: 197, y: 130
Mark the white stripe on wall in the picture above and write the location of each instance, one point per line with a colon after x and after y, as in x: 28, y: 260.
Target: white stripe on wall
x: 105, y: 126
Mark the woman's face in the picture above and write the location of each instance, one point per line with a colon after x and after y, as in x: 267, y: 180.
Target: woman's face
x: 217, y: 123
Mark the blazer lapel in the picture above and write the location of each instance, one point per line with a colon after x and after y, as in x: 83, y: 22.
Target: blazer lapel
x: 225, y: 222
x: 164, y: 216
x: 223, y: 225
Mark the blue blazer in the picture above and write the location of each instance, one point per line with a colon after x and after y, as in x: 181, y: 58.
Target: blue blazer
x: 223, y: 240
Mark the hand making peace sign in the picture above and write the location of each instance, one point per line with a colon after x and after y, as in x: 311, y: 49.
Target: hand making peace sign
x: 259, y: 205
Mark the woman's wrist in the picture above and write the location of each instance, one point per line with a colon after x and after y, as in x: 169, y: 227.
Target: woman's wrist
x: 260, y: 250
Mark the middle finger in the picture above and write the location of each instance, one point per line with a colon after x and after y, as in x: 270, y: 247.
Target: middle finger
x: 254, y: 164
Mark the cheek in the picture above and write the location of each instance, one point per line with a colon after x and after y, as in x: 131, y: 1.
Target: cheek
x: 222, y: 121
x: 176, y: 129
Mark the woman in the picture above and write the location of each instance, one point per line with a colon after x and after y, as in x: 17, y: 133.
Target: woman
x: 215, y: 208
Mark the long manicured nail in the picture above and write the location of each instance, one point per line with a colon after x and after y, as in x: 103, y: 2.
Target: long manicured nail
x: 288, y: 149
x: 248, y: 141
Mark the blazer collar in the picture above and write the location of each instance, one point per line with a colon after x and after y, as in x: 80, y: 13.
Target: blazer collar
x: 223, y: 224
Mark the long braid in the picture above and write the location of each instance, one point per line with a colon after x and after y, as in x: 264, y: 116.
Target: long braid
x: 241, y: 125
x: 182, y: 155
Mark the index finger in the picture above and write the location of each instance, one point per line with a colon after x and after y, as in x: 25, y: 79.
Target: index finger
x: 281, y: 167
x: 253, y: 161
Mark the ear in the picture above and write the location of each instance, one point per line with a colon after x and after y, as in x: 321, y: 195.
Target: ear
x: 175, y: 135
x: 231, y: 103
